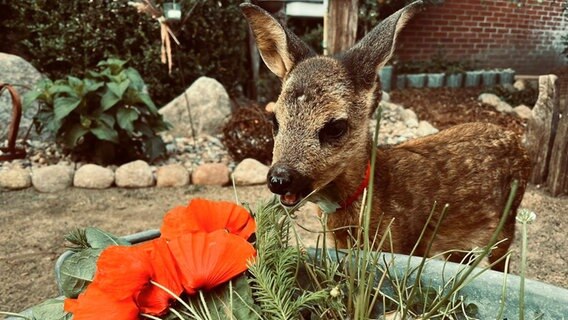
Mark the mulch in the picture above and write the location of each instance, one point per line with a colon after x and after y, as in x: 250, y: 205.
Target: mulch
x: 445, y: 107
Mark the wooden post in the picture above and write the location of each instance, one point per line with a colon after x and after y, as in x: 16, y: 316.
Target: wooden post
x: 340, y: 25
x: 557, y: 180
x: 541, y: 128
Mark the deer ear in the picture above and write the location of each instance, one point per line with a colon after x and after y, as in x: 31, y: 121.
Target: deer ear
x: 279, y: 48
x: 376, y: 48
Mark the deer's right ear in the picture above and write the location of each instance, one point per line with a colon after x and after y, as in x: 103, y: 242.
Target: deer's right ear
x: 279, y: 48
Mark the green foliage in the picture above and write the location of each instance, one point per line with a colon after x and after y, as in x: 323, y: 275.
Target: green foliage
x: 51, y: 309
x: 106, y: 117
x: 71, y: 37
x: 78, y: 270
x: 274, y: 275
x: 514, y: 97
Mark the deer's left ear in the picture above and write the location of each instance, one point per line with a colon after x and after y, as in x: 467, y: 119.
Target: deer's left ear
x: 279, y: 47
x: 376, y: 48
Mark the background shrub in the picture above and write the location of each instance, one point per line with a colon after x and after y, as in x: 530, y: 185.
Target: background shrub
x: 68, y: 37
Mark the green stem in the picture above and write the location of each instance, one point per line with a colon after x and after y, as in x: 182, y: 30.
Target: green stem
x: 524, y: 248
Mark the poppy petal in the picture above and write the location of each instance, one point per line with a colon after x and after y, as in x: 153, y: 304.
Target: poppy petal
x: 96, y: 304
x: 123, y: 271
x: 208, y: 216
x: 206, y: 260
x: 153, y: 300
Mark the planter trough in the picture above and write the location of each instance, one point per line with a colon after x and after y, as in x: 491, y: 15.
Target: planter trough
x: 416, y: 80
x: 435, y: 80
x: 454, y: 80
x: 472, y: 78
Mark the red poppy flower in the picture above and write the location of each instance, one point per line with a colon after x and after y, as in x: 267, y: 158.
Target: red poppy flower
x: 154, y: 300
x: 123, y: 271
x: 96, y: 304
x: 206, y: 260
x: 208, y: 216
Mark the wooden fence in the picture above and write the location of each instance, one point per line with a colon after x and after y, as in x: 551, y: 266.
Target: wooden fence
x: 547, y: 136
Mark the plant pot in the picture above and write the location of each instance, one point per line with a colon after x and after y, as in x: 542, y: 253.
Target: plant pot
x: 385, y: 74
x: 489, y: 78
x: 416, y: 80
x: 542, y: 301
x: 401, y: 81
x: 506, y: 77
x: 473, y: 78
x: 435, y: 80
x: 454, y: 80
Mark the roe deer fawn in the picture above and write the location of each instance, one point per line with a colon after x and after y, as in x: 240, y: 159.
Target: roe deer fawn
x: 322, y: 142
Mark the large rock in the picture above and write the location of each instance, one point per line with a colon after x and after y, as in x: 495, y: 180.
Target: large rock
x: 425, y: 129
x: 52, y: 178
x: 209, y: 104
x: 172, y: 175
x: 92, y: 176
x: 250, y: 172
x: 523, y: 111
x: 210, y: 174
x: 15, y: 70
x: 15, y: 178
x: 496, y: 102
x: 136, y: 174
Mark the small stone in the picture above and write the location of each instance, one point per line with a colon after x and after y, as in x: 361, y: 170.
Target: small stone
x: 496, y: 102
x: 136, y: 174
x: 173, y: 175
x: 250, y: 172
x: 425, y: 129
x: 520, y: 85
x: 523, y: 112
x: 211, y: 174
x: 52, y: 178
x: 92, y: 176
x: 15, y: 178
x: 385, y: 97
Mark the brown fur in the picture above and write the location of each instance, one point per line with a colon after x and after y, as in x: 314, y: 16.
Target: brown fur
x: 470, y: 167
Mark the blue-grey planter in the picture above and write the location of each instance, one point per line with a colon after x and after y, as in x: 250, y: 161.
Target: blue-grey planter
x: 435, y: 80
x: 473, y: 78
x: 416, y: 80
x: 542, y: 301
x: 454, y: 80
x: 506, y: 77
x: 385, y: 74
x: 401, y: 81
x: 489, y: 78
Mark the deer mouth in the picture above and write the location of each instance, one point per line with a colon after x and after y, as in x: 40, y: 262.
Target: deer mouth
x: 290, y: 199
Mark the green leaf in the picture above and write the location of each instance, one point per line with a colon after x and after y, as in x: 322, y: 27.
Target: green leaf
x: 71, y: 137
x: 99, y: 239
x: 126, y: 118
x: 63, y: 106
x: 91, y: 86
x: 154, y: 148
x: 78, y: 270
x: 62, y: 88
x: 135, y: 79
x: 74, y: 82
x: 112, y: 62
x: 118, y: 89
x: 107, y: 119
x: 145, y: 98
x: 51, y: 309
x: 104, y: 132
x: 30, y: 97
x: 223, y: 304
x: 109, y: 99
x: 325, y: 201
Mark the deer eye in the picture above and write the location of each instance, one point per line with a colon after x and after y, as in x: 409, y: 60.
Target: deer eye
x: 333, y: 130
x: 275, y: 125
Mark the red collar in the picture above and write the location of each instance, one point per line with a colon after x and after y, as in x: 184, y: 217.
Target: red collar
x: 359, y: 190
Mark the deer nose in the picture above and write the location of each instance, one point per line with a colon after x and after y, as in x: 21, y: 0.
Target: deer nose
x: 281, y: 179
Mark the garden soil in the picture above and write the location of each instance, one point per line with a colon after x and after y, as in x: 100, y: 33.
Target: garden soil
x: 33, y: 225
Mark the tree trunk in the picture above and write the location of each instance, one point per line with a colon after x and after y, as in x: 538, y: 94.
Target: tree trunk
x: 340, y: 25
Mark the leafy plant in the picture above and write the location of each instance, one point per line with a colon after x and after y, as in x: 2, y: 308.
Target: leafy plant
x: 106, y: 117
x: 71, y: 37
